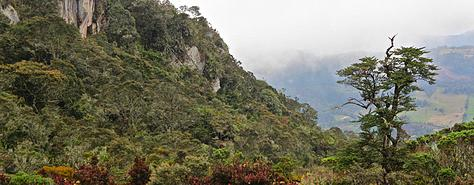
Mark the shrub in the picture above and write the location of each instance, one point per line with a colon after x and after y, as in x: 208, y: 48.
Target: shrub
x: 140, y: 173
x: 166, y: 173
x: 4, y: 179
x: 446, y: 175
x: 285, y: 166
x: 199, y: 166
x: 220, y: 154
x: 93, y: 174
x: 121, y: 27
x: 421, y: 163
x: 61, y: 175
x: 22, y: 178
x: 63, y: 171
x: 240, y: 173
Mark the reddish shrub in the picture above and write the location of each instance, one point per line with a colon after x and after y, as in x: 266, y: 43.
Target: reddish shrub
x: 59, y: 180
x: 140, y: 173
x: 4, y: 180
x: 93, y: 174
x: 240, y: 173
x: 199, y: 181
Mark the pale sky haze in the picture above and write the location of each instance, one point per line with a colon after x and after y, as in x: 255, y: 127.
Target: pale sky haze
x: 260, y: 32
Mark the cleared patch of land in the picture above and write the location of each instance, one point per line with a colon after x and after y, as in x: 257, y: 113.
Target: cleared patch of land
x: 439, y: 109
x: 469, y: 114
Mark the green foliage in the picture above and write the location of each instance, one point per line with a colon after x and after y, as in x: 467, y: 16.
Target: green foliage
x: 157, y: 31
x: 167, y: 173
x: 199, y: 166
x: 452, y: 138
x: 121, y: 27
x: 39, y: 39
x: 285, y: 166
x: 36, y: 83
x: 220, y: 154
x: 32, y: 8
x: 22, y: 178
x: 385, y: 87
x: 423, y: 163
x: 273, y: 103
x: 453, y: 150
x: 446, y: 175
x: 256, y: 173
x: 125, y: 92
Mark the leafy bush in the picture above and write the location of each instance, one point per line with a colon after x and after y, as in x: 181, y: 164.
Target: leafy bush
x: 61, y: 175
x: 352, y: 175
x: 63, y: 171
x: 32, y: 8
x: 140, y: 173
x: 199, y: 166
x: 285, y: 166
x: 93, y: 174
x: 446, y: 175
x: 240, y: 173
x: 4, y: 179
x: 39, y: 39
x: 167, y: 173
x: 121, y: 27
x: 22, y: 178
x: 272, y: 101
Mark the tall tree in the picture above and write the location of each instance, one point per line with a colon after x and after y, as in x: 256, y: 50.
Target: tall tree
x: 385, y: 86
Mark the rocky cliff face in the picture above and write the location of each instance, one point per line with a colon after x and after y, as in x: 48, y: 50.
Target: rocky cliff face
x: 7, y: 9
x: 83, y: 14
x: 194, y: 59
x: 87, y: 15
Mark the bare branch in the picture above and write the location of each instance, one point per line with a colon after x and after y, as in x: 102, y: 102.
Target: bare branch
x: 387, y: 53
x: 354, y: 101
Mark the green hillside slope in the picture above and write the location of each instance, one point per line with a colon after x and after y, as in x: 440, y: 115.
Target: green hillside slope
x: 152, y: 81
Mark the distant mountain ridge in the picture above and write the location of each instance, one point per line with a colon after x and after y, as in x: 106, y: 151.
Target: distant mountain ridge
x: 450, y: 101
x: 455, y: 40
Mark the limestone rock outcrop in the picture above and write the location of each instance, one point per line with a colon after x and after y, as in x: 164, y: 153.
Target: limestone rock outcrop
x: 7, y: 9
x: 194, y: 59
x: 83, y: 14
x: 216, y: 85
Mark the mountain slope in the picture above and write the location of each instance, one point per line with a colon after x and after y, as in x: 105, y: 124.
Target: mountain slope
x: 136, y: 78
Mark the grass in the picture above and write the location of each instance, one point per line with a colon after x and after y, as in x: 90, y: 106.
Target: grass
x: 469, y: 114
x: 439, y: 109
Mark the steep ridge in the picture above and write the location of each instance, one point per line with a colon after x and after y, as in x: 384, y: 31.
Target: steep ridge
x: 128, y: 78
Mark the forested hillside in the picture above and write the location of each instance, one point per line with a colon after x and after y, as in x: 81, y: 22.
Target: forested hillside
x: 138, y: 78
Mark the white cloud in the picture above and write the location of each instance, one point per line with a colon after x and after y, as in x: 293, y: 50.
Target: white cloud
x: 258, y: 32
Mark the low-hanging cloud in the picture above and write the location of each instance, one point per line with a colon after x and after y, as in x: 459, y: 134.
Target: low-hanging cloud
x: 261, y: 32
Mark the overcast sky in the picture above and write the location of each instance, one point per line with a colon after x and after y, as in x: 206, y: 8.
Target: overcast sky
x: 260, y: 32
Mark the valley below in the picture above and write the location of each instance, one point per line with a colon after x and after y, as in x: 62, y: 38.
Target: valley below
x: 313, y: 79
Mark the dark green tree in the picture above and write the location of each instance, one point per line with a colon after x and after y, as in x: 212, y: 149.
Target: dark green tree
x: 121, y: 27
x: 385, y: 86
